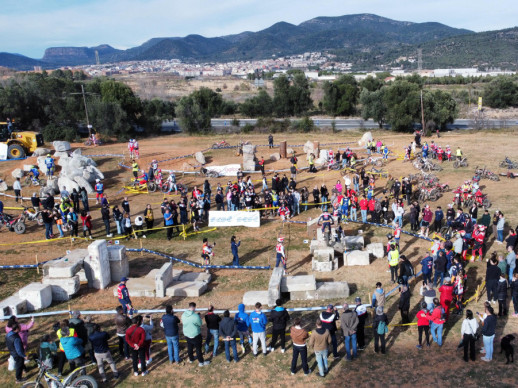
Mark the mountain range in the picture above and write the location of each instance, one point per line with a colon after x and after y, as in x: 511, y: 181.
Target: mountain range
x: 366, y: 40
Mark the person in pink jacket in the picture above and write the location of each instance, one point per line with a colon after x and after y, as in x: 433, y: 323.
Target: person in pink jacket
x: 24, y: 329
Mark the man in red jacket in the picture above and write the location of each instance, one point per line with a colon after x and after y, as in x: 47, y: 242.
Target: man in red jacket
x: 364, y: 206
x: 135, y: 337
x: 446, y: 291
x: 372, y: 209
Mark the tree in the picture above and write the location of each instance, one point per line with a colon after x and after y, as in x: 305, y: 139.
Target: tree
x: 258, y: 106
x: 341, y: 96
x: 371, y: 84
x: 502, y: 92
x: 439, y: 107
x: 373, y: 106
x: 300, y: 96
x: 403, y: 104
x: 281, y: 96
x: 119, y: 93
x: 196, y: 109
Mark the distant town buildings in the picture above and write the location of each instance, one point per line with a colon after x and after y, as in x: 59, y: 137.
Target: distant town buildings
x: 316, y: 65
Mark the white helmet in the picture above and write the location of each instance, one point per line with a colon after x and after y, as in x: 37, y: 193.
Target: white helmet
x: 97, y: 180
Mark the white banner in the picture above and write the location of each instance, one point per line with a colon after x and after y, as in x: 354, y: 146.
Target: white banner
x: 222, y: 218
x: 227, y: 170
x: 3, y: 151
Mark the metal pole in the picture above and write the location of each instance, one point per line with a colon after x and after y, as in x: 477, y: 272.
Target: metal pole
x: 86, y: 111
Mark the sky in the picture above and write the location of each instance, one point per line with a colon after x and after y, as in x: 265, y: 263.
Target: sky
x: 28, y: 27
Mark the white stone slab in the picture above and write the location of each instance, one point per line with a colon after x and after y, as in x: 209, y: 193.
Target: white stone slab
x: 298, y: 283
x: 325, y: 290
x: 252, y: 297
x: 14, y: 305
x: 119, y: 264
x: 139, y: 287
x: 353, y: 242
x: 324, y: 254
x: 324, y: 266
x: 195, y: 277
x: 376, y: 249
x: 187, y: 289
x: 163, y: 279
x: 38, y: 296
x: 356, y: 258
x: 176, y: 274
x: 274, y: 287
x: 200, y: 158
x: 97, y: 265
x: 63, y: 288
x: 66, y: 266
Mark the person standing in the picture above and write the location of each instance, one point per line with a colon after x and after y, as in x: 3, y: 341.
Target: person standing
x: 234, y: 247
x: 488, y: 332
x: 279, y: 317
x: 349, y: 324
x: 17, y: 352
x: 281, y: 254
x: 228, y: 331
x: 148, y: 216
x: 427, y: 268
x: 122, y: 322
x: 212, y: 320
x: 105, y: 213
x: 468, y: 332
x: 404, y: 304
x: 446, y: 291
x: 243, y: 323
x: 500, y: 228
x: 361, y: 312
x: 17, y: 187
x: 511, y: 262
x: 135, y: 337
x: 393, y: 261
x: 47, y: 221
x: 492, y: 276
x: 501, y: 293
x: 123, y: 295
x: 298, y: 338
x: 99, y: 340
x: 380, y: 329
x: 514, y: 293
x: 423, y: 326
x: 170, y: 323
x: 329, y: 318
x: 86, y: 220
x: 72, y: 220
x: 192, y: 323
x: 436, y: 322
x: 270, y: 141
x: 258, y: 323
x: 320, y: 340
x: 169, y: 222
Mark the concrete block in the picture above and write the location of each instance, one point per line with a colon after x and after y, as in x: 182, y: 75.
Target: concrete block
x: 353, y: 242
x: 119, y: 264
x: 249, y: 165
x: 97, y: 265
x: 195, y: 277
x: 324, y: 254
x: 200, y: 158
x: 249, y: 149
x: 275, y: 157
x: 14, y: 305
x: 63, y: 288
x: 38, y: 296
x: 186, y: 289
x: 252, y: 297
x: 376, y: 249
x: 17, y: 173
x: 139, y: 287
x: 67, y: 266
x: 323, y: 155
x: 151, y: 274
x: 163, y: 278
x: 82, y: 276
x: 61, y: 145
x: 356, y: 258
x: 298, y: 283
x: 274, y: 287
x: 325, y: 290
x: 316, y: 244
x: 324, y: 266
x: 176, y: 274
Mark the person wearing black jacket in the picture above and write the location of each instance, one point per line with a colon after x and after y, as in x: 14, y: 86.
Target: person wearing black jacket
x: 404, y: 304
x: 105, y: 213
x: 440, y: 267
x: 379, y: 339
x: 83, y: 194
x: 212, y: 320
x: 220, y: 201
x: 15, y: 347
x: 170, y: 324
x: 329, y: 318
x: 47, y: 218
x: 361, y: 311
x: 228, y: 331
x: 99, y: 340
x: 488, y: 332
x: 74, y: 196
x: 316, y: 195
x: 279, y: 317
x: 501, y: 293
x: 492, y: 277
x: 49, y: 202
x: 514, y: 293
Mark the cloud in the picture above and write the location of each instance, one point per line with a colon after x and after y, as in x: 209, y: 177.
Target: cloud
x: 30, y: 26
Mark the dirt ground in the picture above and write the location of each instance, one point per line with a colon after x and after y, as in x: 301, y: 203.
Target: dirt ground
x: 426, y: 367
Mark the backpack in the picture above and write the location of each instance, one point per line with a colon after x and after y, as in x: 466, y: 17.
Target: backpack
x: 382, y: 328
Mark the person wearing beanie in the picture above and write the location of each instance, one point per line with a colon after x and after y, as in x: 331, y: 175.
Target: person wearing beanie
x: 361, y: 311
x: 279, y: 318
x: 380, y: 328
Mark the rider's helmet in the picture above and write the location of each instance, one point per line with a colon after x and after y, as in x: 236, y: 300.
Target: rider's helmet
x: 97, y: 180
x: 154, y: 161
x: 48, y: 155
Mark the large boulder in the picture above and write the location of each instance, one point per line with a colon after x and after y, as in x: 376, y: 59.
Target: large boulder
x: 95, y: 171
x: 84, y: 183
x: 200, y: 158
x: 17, y: 173
x: 61, y: 145
x: 249, y: 149
x: 290, y: 151
x: 77, y: 151
x: 63, y: 161
x: 41, y: 163
x: 3, y: 185
x: 53, y: 185
x: 41, y: 151
x: 68, y: 183
x: 367, y: 136
x: 90, y: 177
x: 275, y: 157
x: 309, y: 147
x: 61, y: 154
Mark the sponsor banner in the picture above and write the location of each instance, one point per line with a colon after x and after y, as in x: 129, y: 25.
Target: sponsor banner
x: 227, y: 170
x: 223, y: 218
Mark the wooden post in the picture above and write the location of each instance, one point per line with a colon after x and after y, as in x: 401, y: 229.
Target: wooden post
x: 283, y: 149
x: 316, y: 148
x: 37, y: 265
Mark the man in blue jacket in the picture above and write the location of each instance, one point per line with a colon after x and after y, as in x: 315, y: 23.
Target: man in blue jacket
x: 170, y: 323
x: 258, y: 323
x: 243, y: 323
x: 15, y: 347
x: 427, y: 264
x: 99, y: 340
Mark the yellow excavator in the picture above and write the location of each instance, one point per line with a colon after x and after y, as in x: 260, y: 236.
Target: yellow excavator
x: 19, y: 143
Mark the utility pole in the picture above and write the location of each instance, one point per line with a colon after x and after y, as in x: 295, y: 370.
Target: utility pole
x: 422, y: 110
x: 86, y: 112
